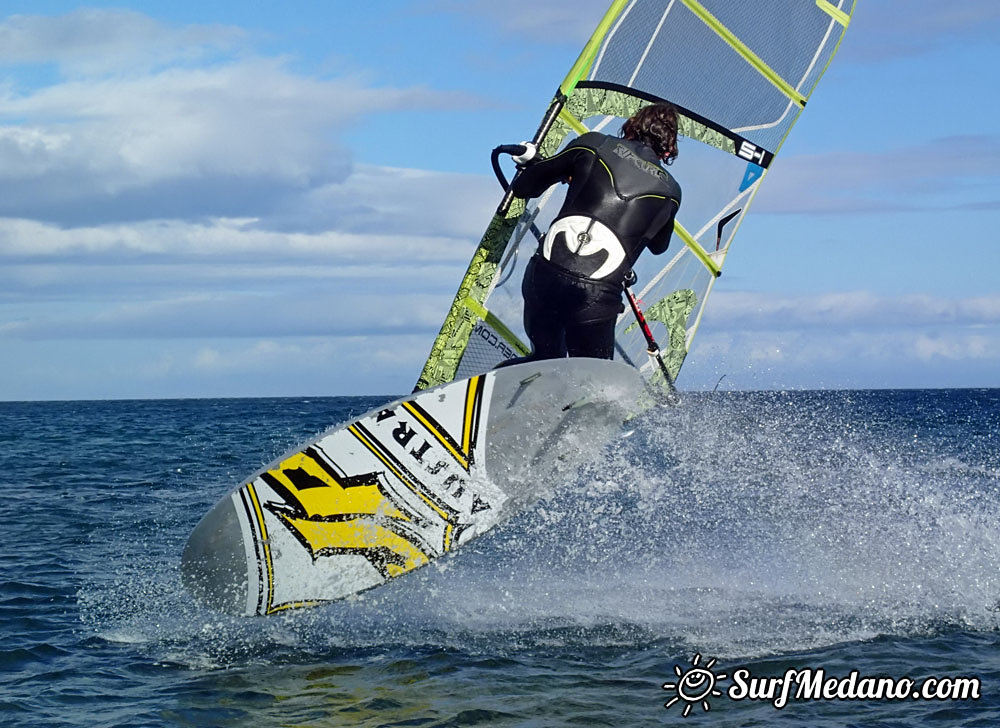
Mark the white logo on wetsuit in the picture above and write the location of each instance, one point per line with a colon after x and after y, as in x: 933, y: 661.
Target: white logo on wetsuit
x: 585, y: 236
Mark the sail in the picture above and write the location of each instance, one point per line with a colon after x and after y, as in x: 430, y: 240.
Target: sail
x: 739, y: 75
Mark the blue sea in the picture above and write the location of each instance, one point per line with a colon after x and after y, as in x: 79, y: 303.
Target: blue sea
x: 808, y: 533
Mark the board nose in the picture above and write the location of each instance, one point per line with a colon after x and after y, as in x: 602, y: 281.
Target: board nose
x: 214, y: 563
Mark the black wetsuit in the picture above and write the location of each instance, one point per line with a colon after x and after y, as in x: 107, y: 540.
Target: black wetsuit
x: 620, y: 201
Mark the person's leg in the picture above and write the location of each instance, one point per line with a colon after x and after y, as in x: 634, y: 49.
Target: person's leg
x: 543, y: 313
x: 591, y: 329
x: 546, y: 332
x: 595, y: 339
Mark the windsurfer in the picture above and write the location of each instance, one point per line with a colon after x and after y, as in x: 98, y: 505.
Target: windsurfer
x: 620, y: 201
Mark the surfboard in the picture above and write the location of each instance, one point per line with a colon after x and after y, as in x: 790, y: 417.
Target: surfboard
x: 376, y: 498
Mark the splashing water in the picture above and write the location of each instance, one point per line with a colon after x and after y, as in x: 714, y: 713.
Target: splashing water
x: 781, y: 529
x: 740, y: 524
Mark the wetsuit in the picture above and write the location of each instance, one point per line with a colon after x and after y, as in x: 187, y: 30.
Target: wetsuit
x: 620, y: 201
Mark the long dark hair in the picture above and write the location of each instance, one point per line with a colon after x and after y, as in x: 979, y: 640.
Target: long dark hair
x: 655, y: 126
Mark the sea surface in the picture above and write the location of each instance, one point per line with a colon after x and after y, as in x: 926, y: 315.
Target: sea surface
x: 769, y: 532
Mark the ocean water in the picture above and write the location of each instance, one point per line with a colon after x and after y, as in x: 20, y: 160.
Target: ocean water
x: 833, y: 531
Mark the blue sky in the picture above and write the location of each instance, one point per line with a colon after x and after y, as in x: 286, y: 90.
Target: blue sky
x: 245, y: 199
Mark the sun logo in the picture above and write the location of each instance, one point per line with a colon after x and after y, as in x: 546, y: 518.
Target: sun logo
x: 694, y: 685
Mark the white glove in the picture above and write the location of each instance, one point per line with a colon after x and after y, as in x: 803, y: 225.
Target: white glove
x: 530, y: 152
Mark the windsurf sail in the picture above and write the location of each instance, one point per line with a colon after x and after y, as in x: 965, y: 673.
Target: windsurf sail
x: 739, y: 74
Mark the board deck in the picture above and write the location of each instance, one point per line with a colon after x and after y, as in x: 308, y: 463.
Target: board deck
x: 406, y: 483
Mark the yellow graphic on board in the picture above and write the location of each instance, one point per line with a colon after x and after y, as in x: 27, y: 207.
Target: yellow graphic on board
x: 330, y: 513
x: 412, y: 505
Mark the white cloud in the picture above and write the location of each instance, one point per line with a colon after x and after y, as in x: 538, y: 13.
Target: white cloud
x: 855, y: 309
x: 836, y: 357
x: 358, y: 364
x: 956, y: 346
x: 246, y: 277
x: 260, y: 354
x: 143, y: 368
x: 217, y: 238
x: 188, y: 136
x: 311, y: 311
x: 895, y: 180
x: 406, y: 202
x: 341, y: 352
x: 551, y: 21
x: 239, y: 136
x: 902, y: 28
x: 97, y: 40
x: 851, y: 339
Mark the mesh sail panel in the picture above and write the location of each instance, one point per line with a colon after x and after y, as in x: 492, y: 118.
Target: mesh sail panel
x: 669, y: 50
x: 739, y: 74
x: 486, y: 348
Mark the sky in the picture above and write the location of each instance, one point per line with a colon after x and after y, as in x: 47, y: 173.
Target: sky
x: 205, y: 199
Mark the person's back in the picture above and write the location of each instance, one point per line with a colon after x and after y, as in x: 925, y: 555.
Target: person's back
x: 620, y: 201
